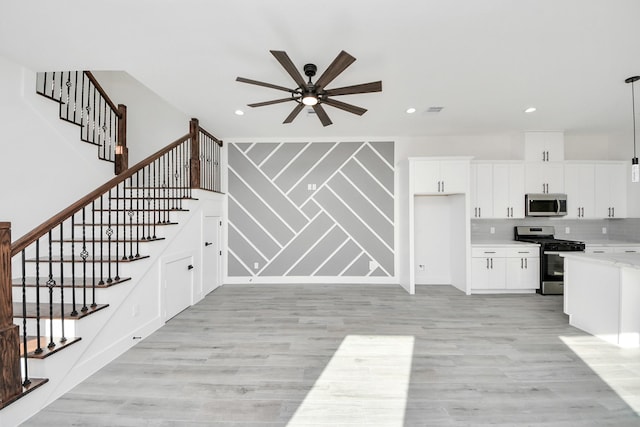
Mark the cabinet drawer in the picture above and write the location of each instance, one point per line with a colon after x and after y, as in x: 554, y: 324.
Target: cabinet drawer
x: 488, y: 252
x: 523, y: 253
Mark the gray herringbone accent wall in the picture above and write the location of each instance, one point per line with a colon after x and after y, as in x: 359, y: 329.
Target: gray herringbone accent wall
x: 311, y: 209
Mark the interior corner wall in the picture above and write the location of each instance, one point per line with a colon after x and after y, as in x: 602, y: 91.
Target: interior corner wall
x: 152, y: 122
x: 311, y: 211
x: 44, y: 166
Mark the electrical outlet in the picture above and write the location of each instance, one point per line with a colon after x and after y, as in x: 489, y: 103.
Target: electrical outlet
x: 372, y: 265
x: 311, y: 187
x: 567, y: 230
x: 256, y: 266
x: 604, y: 230
x: 420, y: 267
x: 492, y: 230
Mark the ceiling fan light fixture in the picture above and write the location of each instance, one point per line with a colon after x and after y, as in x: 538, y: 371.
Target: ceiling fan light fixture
x: 309, y: 100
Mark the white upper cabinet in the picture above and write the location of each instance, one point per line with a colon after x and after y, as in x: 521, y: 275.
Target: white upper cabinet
x: 544, y: 178
x: 482, y: 188
x: 440, y: 176
x: 544, y: 146
x: 508, y: 190
x: 579, y: 182
x: 611, y: 190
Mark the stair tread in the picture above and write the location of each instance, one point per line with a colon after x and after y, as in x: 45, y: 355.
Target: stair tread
x: 35, y: 383
x: 57, y: 313
x: 78, y: 259
x: 32, y: 344
x: 30, y: 282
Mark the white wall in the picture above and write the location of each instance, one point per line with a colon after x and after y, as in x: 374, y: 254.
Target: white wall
x: 152, y: 123
x: 44, y: 166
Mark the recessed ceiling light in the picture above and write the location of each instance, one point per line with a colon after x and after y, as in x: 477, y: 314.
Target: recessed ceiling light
x: 239, y: 113
x: 530, y: 110
x: 411, y: 110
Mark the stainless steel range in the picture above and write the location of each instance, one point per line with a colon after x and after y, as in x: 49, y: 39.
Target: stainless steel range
x: 551, y: 263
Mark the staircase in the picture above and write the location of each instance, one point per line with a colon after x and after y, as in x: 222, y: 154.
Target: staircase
x: 75, y: 276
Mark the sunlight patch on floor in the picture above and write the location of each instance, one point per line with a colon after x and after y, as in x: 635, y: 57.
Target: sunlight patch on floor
x: 365, y: 383
x: 618, y: 367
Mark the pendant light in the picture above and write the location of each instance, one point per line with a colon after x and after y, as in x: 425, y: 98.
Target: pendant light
x: 635, y: 168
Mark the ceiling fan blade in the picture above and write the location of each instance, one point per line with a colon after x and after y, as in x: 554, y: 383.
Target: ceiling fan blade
x: 322, y: 115
x: 361, y: 88
x: 256, y: 82
x: 344, y: 106
x: 286, y: 62
x: 294, y: 113
x: 275, y: 101
x: 342, y: 61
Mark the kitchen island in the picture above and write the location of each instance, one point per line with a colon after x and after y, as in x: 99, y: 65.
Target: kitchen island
x: 602, y: 295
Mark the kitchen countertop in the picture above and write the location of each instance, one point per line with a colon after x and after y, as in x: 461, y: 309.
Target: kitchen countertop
x: 607, y: 242
x: 630, y: 260
x: 501, y: 243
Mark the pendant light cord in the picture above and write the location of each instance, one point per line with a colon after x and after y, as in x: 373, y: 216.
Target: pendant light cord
x: 633, y: 109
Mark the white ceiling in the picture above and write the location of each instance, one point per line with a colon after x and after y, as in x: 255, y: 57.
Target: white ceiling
x: 484, y: 61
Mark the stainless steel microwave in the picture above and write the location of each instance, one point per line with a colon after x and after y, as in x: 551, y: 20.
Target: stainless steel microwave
x: 541, y: 204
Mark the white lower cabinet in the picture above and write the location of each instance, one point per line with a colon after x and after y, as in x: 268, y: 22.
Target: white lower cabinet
x: 505, y: 268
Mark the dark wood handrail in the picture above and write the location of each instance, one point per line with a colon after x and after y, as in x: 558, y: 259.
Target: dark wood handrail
x: 23, y: 242
x: 93, y: 80
x: 219, y: 142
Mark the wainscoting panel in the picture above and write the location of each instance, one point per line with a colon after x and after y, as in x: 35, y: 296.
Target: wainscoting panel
x: 303, y: 209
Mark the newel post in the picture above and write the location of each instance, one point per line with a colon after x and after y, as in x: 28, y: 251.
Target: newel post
x: 194, y: 131
x: 122, y: 151
x: 10, y: 377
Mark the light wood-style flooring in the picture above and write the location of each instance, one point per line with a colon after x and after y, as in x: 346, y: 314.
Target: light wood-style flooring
x: 343, y: 355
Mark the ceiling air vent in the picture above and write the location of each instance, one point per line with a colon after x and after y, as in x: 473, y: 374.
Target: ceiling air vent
x: 434, y: 109
x: 311, y: 112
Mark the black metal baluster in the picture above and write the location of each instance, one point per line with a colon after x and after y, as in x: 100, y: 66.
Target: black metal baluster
x: 26, y: 381
x: 63, y: 338
x: 99, y: 142
x: 68, y: 84
x: 84, y: 255
x: 53, y: 85
x: 138, y: 215
x: 51, y: 284
x: 109, y: 234
x: 117, y: 232
x: 93, y: 116
x: 146, y: 179
x: 156, y: 214
x: 74, y: 311
x: 82, y: 109
x: 124, y: 220
x: 93, y: 252
x: 75, y: 98
x: 165, y: 184
x: 101, y: 282
x: 38, y: 349
x: 131, y: 214
x: 60, y: 91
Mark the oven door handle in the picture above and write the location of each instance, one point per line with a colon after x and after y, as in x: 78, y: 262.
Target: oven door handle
x: 554, y: 252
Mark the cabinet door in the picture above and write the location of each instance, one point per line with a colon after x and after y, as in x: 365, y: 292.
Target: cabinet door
x: 579, y: 182
x: 544, y: 146
x: 508, y: 187
x: 611, y: 190
x: 488, y: 273
x: 480, y: 273
x: 523, y: 273
x: 481, y: 190
x: 426, y: 177
x: 544, y: 178
x: 454, y: 176
x: 516, y: 190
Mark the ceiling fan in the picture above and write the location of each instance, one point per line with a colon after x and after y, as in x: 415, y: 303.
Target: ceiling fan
x: 314, y: 94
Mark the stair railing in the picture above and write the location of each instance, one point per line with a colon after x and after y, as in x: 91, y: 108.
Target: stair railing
x: 85, y: 103
x: 83, y: 247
